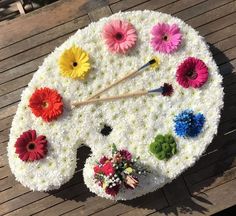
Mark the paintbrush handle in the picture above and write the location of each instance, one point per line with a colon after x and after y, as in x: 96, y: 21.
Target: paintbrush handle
x: 134, y: 94
x: 113, y: 84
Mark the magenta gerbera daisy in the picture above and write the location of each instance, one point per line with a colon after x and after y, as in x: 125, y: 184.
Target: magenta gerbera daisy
x: 166, y: 38
x: 119, y: 36
x: 192, y: 72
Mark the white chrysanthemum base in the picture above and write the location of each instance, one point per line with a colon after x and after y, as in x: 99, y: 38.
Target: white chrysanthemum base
x: 135, y: 121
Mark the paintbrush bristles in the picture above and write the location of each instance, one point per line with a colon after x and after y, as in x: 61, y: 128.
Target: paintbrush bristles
x: 152, y: 61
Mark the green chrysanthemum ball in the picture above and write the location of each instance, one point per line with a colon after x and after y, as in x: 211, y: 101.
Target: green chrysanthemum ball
x: 164, y: 146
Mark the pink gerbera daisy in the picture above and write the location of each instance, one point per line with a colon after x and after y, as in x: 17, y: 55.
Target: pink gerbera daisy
x: 120, y: 36
x: 192, y: 72
x: 166, y: 38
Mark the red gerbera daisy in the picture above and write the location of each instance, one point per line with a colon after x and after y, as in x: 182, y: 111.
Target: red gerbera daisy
x: 46, y: 103
x: 192, y: 72
x: 29, y: 147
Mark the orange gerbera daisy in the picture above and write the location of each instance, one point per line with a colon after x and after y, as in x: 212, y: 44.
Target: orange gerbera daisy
x: 46, y: 103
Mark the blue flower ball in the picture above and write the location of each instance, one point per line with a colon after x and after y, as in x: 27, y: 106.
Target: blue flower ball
x: 188, y: 124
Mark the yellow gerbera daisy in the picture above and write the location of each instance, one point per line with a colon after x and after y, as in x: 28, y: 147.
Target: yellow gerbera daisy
x: 74, y: 63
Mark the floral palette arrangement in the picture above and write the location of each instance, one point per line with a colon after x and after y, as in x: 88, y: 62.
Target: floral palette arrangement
x: 140, y: 88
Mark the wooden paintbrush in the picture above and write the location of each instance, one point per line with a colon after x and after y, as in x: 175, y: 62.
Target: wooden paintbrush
x: 165, y: 90
x: 153, y: 62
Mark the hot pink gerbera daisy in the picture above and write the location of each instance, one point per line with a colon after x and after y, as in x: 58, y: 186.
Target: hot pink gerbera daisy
x: 166, y: 38
x: 192, y: 72
x: 120, y: 36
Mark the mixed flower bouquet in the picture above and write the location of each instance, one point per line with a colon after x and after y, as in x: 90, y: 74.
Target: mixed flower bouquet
x: 120, y: 170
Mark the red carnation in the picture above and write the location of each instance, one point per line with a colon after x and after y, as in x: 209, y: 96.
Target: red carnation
x: 29, y: 147
x: 46, y: 103
x: 108, y: 169
x: 97, y: 169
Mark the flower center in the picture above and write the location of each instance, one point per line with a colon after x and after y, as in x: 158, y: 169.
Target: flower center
x: 165, y: 37
x: 119, y: 36
x: 31, y: 146
x: 192, y: 74
x: 74, y: 64
x: 45, y: 104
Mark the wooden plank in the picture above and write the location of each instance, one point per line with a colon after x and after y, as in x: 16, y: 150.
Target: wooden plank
x: 228, y: 55
x: 206, y: 203
x: 201, y: 8
x: 148, y: 206
x: 15, y: 84
x: 122, y: 207
x: 4, y: 135
x: 32, y: 53
x: 3, y: 161
x: 67, y: 205
x: 10, y: 98
x: 213, y: 15
x: 223, y: 45
x: 227, y: 150
x: 221, y: 141
x: 124, y: 5
x: 4, y: 171
x: 209, y: 172
x: 21, y: 201
x: 217, y: 24
x: 3, y: 149
x: 12, y: 193
x: 21, y: 70
x: 7, y: 183
x: 5, y: 123
x: 151, y: 5
x: 97, y: 14
x: 44, y: 37
x: 96, y: 208
x: 178, y: 187
x: 179, y: 6
x: 8, y: 111
x: 112, y: 1
x: 214, y: 181
x: 220, y: 35
x: 50, y: 16
x: 50, y: 200
x: 25, y: 199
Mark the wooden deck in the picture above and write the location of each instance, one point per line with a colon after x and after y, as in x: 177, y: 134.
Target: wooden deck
x: 206, y: 188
